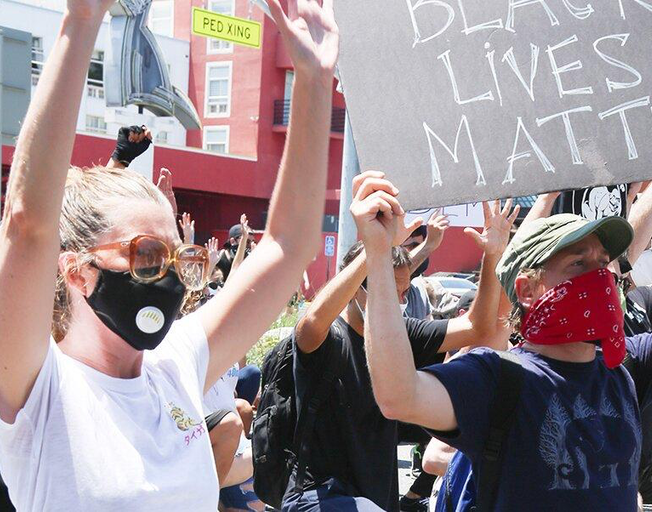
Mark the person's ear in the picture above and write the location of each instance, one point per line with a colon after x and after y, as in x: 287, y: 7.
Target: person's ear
x: 78, y: 277
x: 527, y: 290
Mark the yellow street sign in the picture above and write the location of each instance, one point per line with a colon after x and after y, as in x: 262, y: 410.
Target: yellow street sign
x: 229, y: 28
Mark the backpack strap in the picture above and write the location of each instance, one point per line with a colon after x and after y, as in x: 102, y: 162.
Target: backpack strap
x: 502, y: 414
x: 308, y: 413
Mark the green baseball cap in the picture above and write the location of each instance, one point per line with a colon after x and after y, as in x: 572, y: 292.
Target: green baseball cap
x: 536, y: 242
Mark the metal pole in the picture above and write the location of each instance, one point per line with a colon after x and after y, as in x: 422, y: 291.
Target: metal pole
x: 347, y: 232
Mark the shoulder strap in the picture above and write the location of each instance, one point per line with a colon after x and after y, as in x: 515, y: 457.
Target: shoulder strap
x: 308, y: 413
x: 630, y: 365
x: 501, y: 418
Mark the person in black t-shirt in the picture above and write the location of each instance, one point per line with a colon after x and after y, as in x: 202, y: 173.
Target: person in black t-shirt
x: 352, y: 462
x: 236, y: 248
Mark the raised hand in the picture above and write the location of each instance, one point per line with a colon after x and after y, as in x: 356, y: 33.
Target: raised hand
x: 497, y: 226
x: 88, y: 9
x: 244, y: 225
x: 165, y: 185
x: 187, y: 228
x: 132, y: 142
x: 376, y: 210
x: 404, y: 232
x: 310, y: 35
x: 213, y: 248
x: 436, y: 227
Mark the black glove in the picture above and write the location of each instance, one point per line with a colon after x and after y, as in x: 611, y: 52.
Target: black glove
x: 125, y: 151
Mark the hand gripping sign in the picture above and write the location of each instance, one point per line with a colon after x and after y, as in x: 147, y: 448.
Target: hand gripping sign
x: 136, y: 73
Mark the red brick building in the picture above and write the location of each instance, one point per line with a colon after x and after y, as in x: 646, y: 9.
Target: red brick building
x: 243, y: 97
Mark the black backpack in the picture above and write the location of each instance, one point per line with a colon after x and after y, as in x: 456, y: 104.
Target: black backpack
x: 281, y: 434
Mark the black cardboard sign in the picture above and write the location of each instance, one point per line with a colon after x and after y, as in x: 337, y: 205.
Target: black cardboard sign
x: 466, y: 100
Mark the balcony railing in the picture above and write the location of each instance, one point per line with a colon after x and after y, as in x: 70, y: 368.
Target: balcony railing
x: 282, y: 116
x: 94, y: 91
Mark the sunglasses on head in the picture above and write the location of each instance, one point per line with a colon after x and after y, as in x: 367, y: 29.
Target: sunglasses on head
x: 150, y: 258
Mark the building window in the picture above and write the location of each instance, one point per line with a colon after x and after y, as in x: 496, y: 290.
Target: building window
x: 162, y: 137
x: 216, y: 139
x: 96, y: 69
x: 161, y: 17
x: 222, y: 7
x: 289, y: 83
x: 38, y: 58
x: 218, y: 89
x: 95, y: 124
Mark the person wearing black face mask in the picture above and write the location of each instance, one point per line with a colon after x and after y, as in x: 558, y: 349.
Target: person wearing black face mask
x: 421, y: 244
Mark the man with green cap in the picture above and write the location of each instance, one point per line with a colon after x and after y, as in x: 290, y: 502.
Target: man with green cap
x: 575, y: 441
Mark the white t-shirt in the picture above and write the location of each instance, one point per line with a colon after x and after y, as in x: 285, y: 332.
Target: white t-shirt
x: 89, y: 442
x: 222, y: 395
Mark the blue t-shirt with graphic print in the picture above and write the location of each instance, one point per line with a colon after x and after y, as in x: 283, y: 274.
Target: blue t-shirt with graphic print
x: 575, y: 443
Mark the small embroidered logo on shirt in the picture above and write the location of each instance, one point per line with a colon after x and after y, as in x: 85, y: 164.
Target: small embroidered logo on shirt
x: 183, y: 421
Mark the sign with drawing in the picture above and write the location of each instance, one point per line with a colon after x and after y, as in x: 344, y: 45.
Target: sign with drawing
x: 485, y: 99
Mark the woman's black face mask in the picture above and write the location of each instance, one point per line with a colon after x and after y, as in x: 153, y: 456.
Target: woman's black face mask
x: 140, y: 313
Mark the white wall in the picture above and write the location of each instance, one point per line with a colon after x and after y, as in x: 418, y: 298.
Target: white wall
x: 43, y: 17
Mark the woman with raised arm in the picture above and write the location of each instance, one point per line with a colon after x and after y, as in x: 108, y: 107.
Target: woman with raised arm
x: 110, y: 418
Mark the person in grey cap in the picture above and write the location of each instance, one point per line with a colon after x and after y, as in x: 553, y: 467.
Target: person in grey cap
x: 575, y: 441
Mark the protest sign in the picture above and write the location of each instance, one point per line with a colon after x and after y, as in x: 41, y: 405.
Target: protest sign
x: 460, y: 215
x: 459, y: 101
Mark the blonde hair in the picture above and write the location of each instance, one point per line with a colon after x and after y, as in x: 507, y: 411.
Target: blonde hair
x: 516, y: 316
x: 89, y: 195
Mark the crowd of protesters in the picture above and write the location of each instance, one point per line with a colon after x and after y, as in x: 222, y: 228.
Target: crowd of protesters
x: 124, y: 383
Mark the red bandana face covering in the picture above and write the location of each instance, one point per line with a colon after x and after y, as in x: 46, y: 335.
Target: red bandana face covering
x: 586, y: 308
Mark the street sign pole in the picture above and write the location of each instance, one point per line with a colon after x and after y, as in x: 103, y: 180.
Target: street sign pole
x: 328, y: 268
x: 347, y: 231
x: 329, y: 252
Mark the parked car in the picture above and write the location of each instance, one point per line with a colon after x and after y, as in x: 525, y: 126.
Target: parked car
x: 455, y: 285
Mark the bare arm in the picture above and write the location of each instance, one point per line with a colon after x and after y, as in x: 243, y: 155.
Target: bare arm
x: 416, y: 397
x: 29, y: 237
x: 313, y: 328
x: 481, y: 325
x: 437, y: 457
x: 640, y: 218
x: 436, y: 227
x: 242, y: 246
x: 165, y: 185
x: 542, y: 207
x: 252, y: 299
